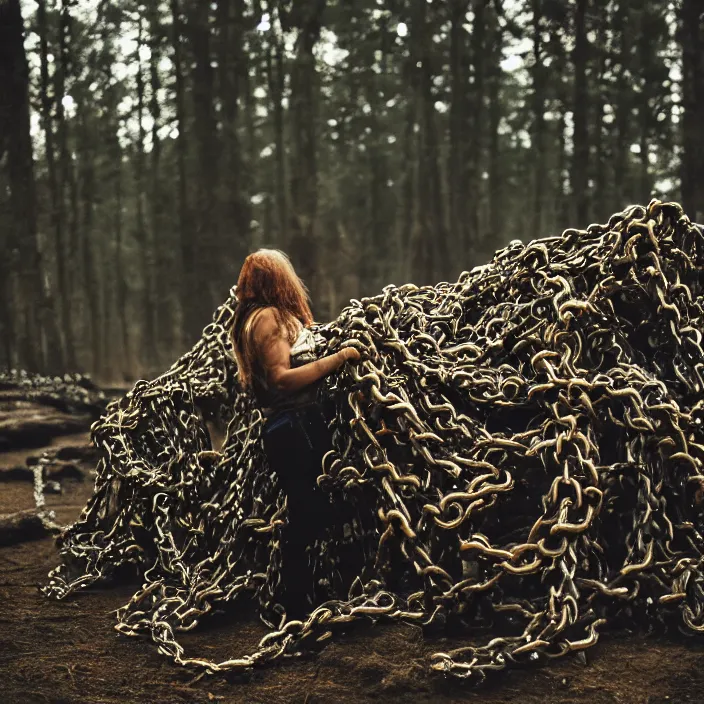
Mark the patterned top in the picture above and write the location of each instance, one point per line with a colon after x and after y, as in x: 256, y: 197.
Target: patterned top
x: 273, y: 400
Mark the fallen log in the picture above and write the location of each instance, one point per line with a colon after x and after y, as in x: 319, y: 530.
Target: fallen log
x: 16, y: 474
x: 36, y: 426
x: 87, y: 454
x: 64, y: 470
x: 78, y: 453
x: 21, y: 526
x: 53, y: 472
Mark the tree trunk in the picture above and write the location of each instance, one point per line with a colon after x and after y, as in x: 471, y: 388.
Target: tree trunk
x: 276, y: 79
x: 148, y: 354
x: 307, y: 18
x: 692, y: 40
x: 432, y: 257
x: 562, y: 209
x: 496, y: 191
x: 604, y: 67
x: 623, y: 109
x: 476, y: 159
x: 163, y: 259
x: 120, y: 273
x: 65, y: 178
x: 252, y: 76
x: 232, y: 71
x: 580, y: 160
x: 409, y: 203
x: 206, y: 233
x: 184, y: 277
x: 374, y: 254
x: 7, y: 351
x: 68, y: 180
x: 538, y: 132
x: 92, y: 293
x: 457, y: 166
x: 16, y: 151
x: 62, y: 353
x: 108, y: 254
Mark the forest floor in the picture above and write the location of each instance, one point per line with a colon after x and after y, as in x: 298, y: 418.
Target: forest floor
x: 68, y: 652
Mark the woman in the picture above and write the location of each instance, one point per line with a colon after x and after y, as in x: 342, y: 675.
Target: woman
x: 275, y: 351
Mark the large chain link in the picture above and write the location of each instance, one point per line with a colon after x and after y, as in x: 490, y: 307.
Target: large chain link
x: 523, y: 449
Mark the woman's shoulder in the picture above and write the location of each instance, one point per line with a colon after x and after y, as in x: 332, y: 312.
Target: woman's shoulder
x: 265, y: 323
x: 264, y: 316
x: 262, y: 313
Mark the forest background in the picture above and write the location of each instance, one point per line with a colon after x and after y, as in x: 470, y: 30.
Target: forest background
x: 147, y: 147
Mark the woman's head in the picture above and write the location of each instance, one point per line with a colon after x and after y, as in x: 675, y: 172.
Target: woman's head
x: 268, y: 278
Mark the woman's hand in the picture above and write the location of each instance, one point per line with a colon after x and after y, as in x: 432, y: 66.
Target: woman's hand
x: 350, y: 354
x: 275, y: 356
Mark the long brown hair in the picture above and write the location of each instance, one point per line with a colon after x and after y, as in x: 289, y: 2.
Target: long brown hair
x: 267, y: 280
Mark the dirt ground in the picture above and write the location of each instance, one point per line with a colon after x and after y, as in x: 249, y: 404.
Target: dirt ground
x: 68, y: 652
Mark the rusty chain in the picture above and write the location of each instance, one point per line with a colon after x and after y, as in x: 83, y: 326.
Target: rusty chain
x: 522, y: 448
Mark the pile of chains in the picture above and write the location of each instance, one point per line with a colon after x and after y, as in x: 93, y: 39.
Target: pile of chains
x: 522, y: 449
x: 70, y: 392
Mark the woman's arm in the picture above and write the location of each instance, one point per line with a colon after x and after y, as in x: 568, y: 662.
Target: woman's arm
x: 275, y: 354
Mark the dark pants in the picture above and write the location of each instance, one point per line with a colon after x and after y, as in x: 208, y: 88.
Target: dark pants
x: 295, y: 442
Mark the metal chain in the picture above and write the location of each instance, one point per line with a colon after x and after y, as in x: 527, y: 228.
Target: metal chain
x: 522, y: 449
